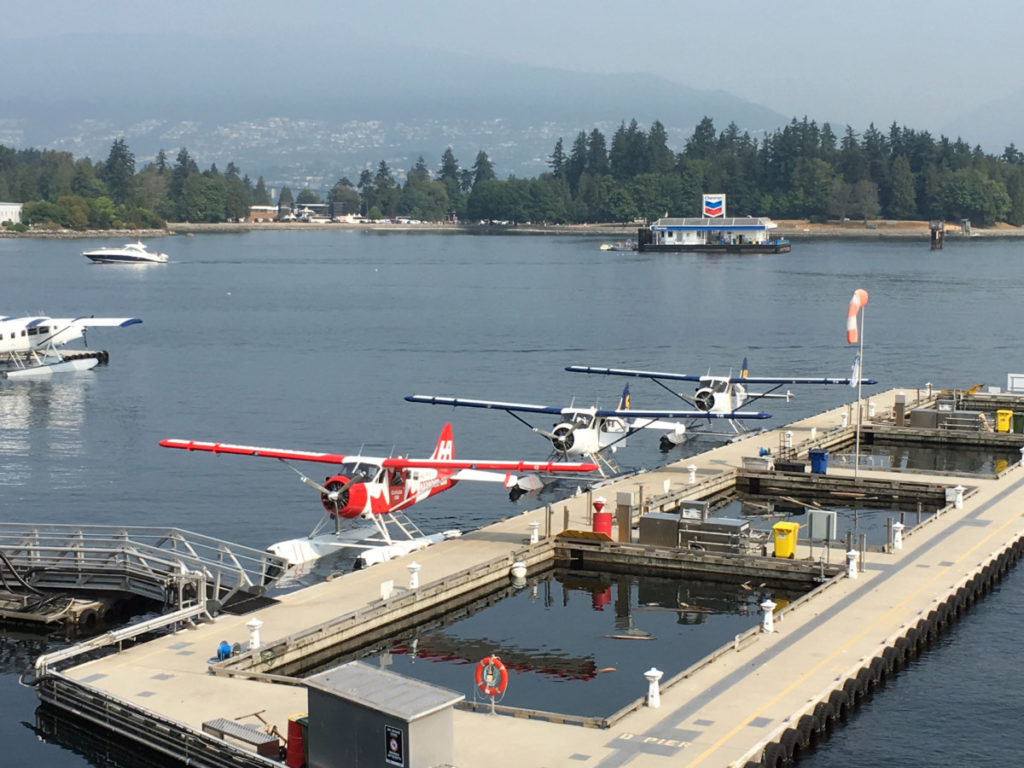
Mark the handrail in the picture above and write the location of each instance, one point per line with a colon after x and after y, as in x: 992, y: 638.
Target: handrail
x: 120, y: 635
x: 422, y: 597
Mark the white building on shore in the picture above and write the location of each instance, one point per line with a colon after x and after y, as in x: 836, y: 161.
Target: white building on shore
x: 10, y: 212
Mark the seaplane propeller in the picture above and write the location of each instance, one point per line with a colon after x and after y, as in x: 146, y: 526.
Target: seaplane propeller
x: 561, y: 437
x: 704, y: 399
x: 335, y: 493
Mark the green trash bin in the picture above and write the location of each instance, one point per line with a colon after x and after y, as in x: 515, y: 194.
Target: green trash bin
x: 1018, y: 423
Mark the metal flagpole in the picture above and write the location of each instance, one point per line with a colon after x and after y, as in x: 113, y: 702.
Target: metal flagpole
x: 860, y: 406
x: 853, y: 336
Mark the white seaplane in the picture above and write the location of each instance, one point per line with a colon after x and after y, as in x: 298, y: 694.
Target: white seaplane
x: 719, y: 396
x: 379, y: 490
x: 591, y: 433
x: 30, y: 347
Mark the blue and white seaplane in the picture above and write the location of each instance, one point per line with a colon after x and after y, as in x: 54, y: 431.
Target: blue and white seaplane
x: 592, y: 433
x: 719, y: 397
x: 30, y: 347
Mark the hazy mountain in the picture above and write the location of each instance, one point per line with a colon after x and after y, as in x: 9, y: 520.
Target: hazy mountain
x: 994, y: 126
x: 307, y: 117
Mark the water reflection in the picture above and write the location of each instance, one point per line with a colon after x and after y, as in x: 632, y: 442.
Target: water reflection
x: 578, y: 642
x: 39, y: 418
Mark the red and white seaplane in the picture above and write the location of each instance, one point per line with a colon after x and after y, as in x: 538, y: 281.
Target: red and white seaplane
x: 29, y: 346
x: 380, y: 490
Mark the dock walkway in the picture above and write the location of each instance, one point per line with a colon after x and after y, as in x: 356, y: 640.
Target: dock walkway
x: 723, y: 714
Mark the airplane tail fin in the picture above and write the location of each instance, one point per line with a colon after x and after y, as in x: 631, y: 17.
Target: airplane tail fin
x: 745, y: 370
x: 624, y: 400
x: 445, y: 449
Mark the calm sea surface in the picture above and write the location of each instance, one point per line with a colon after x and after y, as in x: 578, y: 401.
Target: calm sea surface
x: 311, y: 339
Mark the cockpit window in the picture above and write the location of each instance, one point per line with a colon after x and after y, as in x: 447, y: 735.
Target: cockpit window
x: 582, y: 420
x: 349, y: 470
x: 715, y: 385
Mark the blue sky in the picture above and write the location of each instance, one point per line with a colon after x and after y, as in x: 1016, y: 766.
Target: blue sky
x: 917, y: 63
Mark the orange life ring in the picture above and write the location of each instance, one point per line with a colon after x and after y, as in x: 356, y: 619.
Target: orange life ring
x: 491, y: 676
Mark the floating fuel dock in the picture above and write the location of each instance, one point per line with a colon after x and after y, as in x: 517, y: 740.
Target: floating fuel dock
x: 758, y: 700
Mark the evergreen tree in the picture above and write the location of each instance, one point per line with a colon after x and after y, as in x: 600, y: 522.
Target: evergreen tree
x: 261, y: 196
x: 449, y: 171
x: 366, y: 194
x: 556, y: 161
x: 903, y: 200
x: 577, y: 162
x: 597, y: 154
x: 119, y: 171
x: 483, y: 169
x: 660, y: 157
x: 701, y: 145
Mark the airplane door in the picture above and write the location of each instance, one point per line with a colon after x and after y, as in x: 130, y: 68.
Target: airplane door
x: 396, y: 486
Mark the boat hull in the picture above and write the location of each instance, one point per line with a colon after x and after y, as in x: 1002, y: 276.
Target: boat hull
x: 45, y: 371
x: 779, y: 247
x: 115, y: 259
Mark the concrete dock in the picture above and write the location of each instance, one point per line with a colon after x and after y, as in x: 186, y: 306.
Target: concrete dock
x: 759, y: 703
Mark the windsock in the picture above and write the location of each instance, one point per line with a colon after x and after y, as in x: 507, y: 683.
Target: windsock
x: 860, y: 298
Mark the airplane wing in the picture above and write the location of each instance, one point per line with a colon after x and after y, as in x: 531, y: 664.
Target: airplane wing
x: 796, y: 380
x: 546, y: 467
x: 496, y: 405
x: 251, y: 450
x: 628, y: 372
x: 732, y: 379
x: 626, y: 413
x: 91, y: 322
x: 688, y: 413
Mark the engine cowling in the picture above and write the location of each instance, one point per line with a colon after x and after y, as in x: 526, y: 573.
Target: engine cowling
x: 562, y: 438
x: 704, y: 399
x: 350, y: 503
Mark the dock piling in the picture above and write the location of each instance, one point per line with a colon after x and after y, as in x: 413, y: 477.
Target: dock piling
x: 653, y: 693
x: 768, y: 617
x: 897, y: 535
x: 254, y: 633
x: 851, y: 564
x: 414, y: 574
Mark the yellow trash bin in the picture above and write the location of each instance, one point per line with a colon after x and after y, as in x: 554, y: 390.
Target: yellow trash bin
x: 785, y: 539
x: 1004, y: 420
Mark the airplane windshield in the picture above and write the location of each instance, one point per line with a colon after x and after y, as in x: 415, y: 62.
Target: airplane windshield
x: 349, y: 470
x: 582, y: 420
x: 715, y: 385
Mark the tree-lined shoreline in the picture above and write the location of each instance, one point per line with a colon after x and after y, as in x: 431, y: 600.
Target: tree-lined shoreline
x: 801, y: 171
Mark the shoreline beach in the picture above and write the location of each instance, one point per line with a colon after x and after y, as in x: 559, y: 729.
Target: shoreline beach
x: 794, y: 229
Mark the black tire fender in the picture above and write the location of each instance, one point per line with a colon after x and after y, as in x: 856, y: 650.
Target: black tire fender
x: 774, y: 755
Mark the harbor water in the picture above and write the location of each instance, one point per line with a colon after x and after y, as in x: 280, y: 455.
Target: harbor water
x: 310, y: 340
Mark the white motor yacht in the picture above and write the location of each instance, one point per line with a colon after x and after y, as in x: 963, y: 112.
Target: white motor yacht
x: 132, y: 253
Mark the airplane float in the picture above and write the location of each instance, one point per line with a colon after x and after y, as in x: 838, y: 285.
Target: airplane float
x: 380, y: 490
x: 720, y: 396
x: 590, y: 432
x: 29, y: 346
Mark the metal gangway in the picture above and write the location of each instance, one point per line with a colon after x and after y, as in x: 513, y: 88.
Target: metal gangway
x: 169, y: 565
